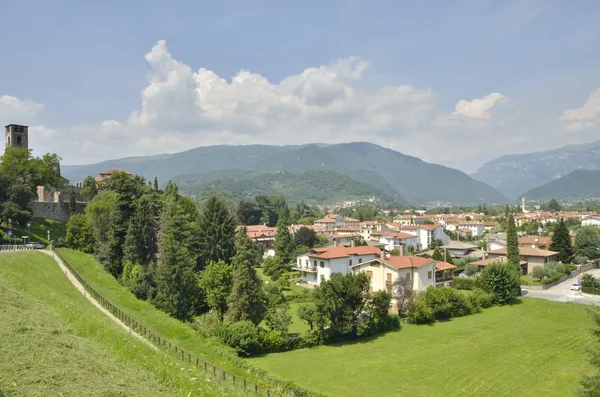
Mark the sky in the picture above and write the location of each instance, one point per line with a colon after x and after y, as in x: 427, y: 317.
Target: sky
x: 456, y: 83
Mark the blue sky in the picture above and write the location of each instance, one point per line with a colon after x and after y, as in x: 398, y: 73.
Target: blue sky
x: 75, y: 65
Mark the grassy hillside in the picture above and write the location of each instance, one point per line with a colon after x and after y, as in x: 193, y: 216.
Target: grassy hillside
x: 313, y: 187
x: 535, y: 348
x: 54, y: 342
x: 170, y: 328
x: 39, y: 231
x: 578, y: 184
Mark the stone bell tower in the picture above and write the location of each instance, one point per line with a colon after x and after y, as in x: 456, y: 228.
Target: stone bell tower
x: 17, y: 135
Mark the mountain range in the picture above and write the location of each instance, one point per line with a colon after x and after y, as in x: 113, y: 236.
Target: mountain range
x: 578, y: 184
x: 389, y: 174
x: 516, y: 175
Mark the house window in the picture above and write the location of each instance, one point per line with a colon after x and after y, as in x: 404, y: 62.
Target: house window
x: 322, y: 264
x: 18, y: 140
x: 408, y: 276
x: 429, y: 275
x: 369, y: 274
x: 388, y: 283
x: 315, y: 263
x: 359, y: 260
x: 389, y: 277
x: 350, y: 262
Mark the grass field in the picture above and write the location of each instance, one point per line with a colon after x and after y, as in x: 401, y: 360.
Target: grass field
x: 533, y: 348
x: 54, y: 342
x: 39, y: 231
x: 170, y: 328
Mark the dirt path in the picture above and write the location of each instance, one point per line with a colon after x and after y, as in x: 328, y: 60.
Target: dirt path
x: 80, y: 288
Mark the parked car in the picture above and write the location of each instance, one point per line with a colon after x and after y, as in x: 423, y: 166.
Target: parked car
x: 576, y: 286
x: 35, y: 245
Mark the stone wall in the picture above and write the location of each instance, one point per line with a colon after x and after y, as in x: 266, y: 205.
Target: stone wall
x: 55, y: 211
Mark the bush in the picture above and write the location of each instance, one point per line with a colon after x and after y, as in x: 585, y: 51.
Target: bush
x: 502, y: 280
x: 420, y: 312
x: 471, y: 269
x: 441, y: 304
x: 539, y: 272
x: 242, y: 336
x: 482, y: 299
x: 463, y: 283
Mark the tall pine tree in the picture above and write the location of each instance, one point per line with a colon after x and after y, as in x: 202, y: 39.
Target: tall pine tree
x: 217, y: 233
x: 284, y: 245
x: 561, y: 242
x: 176, y: 289
x: 512, y: 243
x: 247, y: 298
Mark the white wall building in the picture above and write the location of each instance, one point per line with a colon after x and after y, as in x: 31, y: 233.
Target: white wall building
x: 320, y: 263
x: 426, y: 234
x: 591, y: 221
x: 399, y: 240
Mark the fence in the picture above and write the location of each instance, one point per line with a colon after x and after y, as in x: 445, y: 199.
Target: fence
x: 161, y: 342
x: 15, y: 247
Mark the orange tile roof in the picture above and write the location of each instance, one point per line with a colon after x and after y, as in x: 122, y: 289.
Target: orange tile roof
x: 342, y: 252
x: 440, y: 265
x: 399, y: 235
x: 416, y: 227
x: 406, y: 262
x: 532, y: 240
x: 526, y: 252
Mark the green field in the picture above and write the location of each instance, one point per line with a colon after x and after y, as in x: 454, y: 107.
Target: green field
x: 39, y: 231
x: 173, y: 330
x: 54, y: 342
x: 533, y: 348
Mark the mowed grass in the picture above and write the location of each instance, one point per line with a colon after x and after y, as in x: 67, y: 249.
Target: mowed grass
x: 173, y: 330
x: 55, y: 342
x: 533, y: 348
x: 39, y: 231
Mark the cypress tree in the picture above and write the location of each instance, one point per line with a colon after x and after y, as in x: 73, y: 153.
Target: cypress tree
x: 284, y: 245
x: 247, y: 298
x: 512, y: 243
x: 437, y: 255
x: 561, y: 242
x: 176, y: 289
x: 155, y: 183
x: 217, y: 233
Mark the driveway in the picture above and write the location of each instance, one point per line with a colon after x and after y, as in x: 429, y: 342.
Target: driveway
x: 562, y: 292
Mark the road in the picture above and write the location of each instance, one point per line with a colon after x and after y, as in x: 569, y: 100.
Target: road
x: 562, y: 292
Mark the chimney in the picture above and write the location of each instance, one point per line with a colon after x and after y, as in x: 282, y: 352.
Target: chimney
x: 335, y: 242
x: 401, y: 249
x: 382, y: 256
x: 353, y: 243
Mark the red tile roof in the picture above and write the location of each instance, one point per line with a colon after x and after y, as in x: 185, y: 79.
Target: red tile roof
x: 526, y: 252
x: 407, y: 262
x: 444, y: 266
x: 541, y: 240
x: 342, y: 252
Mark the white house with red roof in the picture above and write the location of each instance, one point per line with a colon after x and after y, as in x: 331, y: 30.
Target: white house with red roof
x: 320, y: 263
x: 426, y: 234
x: 399, y: 240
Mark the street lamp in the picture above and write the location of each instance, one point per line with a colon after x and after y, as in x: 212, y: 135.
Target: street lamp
x: 28, y: 232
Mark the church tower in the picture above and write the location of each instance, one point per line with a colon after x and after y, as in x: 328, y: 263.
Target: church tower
x: 17, y: 136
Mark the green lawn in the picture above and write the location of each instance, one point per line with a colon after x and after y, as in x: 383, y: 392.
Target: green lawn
x: 533, y: 348
x: 170, y: 328
x: 54, y: 342
x: 39, y: 231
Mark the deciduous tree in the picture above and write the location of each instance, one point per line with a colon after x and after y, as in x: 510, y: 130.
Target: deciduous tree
x: 587, y: 242
x: 80, y: 235
x: 216, y: 282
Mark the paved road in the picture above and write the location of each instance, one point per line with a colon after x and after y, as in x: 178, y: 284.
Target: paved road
x: 562, y: 292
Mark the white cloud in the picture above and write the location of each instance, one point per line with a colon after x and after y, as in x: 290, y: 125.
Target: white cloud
x: 479, y: 108
x: 585, y: 117
x: 181, y: 109
x: 14, y: 110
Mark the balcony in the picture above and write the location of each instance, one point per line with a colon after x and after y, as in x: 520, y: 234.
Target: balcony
x: 308, y: 269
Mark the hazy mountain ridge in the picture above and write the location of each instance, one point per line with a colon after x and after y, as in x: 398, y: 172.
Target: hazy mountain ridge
x: 515, y: 174
x: 579, y: 184
x: 391, y: 172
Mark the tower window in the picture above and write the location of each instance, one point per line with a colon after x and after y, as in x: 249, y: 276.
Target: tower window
x: 18, y: 140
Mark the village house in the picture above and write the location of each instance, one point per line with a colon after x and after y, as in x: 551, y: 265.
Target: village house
x: 476, y: 228
x: 460, y: 249
x: 541, y: 242
x: 593, y: 220
x: 261, y: 234
x: 319, y: 264
x: 366, y: 228
x: 405, y: 242
x: 532, y: 256
x: 427, y: 234
x: 495, y: 241
x: 484, y: 262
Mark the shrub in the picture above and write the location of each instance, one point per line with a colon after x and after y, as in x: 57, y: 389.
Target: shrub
x: 482, y: 299
x: 463, y: 283
x: 420, y: 312
x: 471, y: 269
x: 502, y: 280
x: 242, y: 336
x: 539, y: 272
